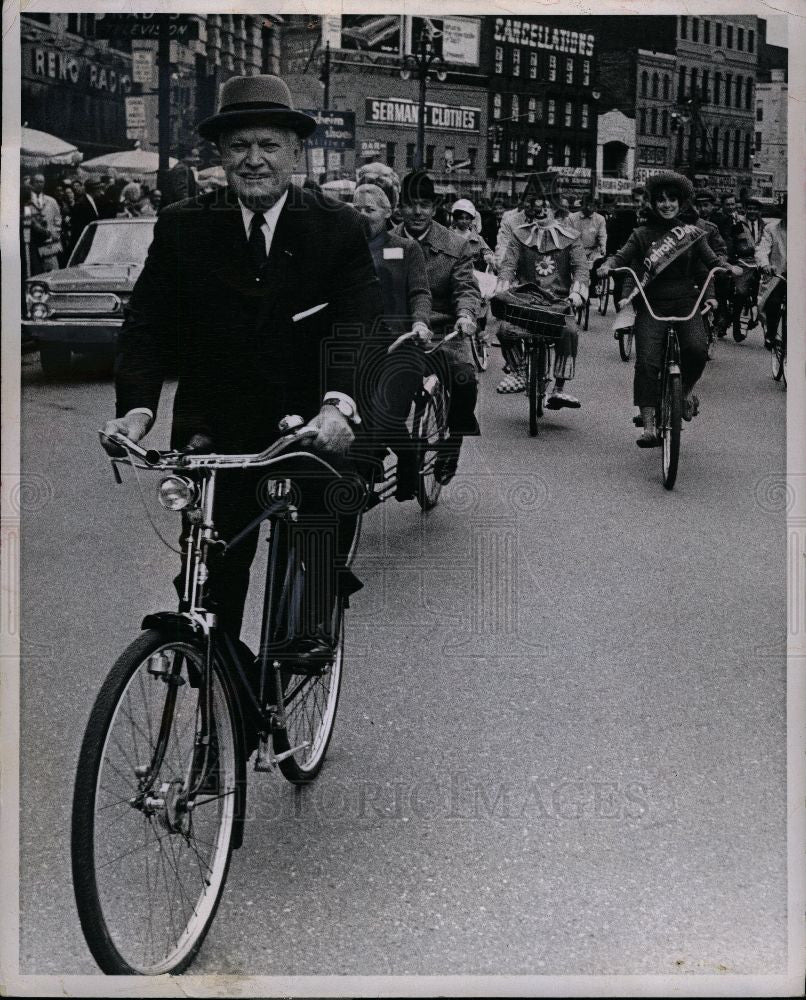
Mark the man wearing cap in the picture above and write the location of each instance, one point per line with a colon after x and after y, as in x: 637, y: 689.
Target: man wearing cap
x: 456, y: 302
x: 244, y: 291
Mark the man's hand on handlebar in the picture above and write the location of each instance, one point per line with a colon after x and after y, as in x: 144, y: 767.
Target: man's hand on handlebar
x: 134, y: 426
x: 576, y: 300
x: 711, y: 305
x: 466, y: 325
x: 422, y: 334
x: 335, y: 434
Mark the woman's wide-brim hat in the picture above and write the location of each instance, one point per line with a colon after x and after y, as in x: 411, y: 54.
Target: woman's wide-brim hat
x: 670, y: 181
x: 255, y: 100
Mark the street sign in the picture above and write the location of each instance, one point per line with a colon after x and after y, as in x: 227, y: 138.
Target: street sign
x: 143, y: 65
x: 181, y: 27
x: 135, y: 113
x: 334, y: 130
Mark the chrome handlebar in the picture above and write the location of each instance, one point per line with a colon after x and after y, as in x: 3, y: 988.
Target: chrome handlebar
x: 638, y: 290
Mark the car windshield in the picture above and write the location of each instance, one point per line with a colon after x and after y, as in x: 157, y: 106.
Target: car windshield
x: 115, y: 243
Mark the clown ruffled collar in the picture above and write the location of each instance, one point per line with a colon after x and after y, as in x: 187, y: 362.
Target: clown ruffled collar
x: 557, y: 235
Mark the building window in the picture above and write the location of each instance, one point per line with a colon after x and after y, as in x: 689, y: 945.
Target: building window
x: 410, y: 147
x: 751, y: 40
x: 660, y: 155
x: 728, y: 85
x: 532, y: 112
x: 759, y: 112
x: 644, y: 83
x: 550, y: 154
x: 747, y: 151
x: 726, y: 147
x: 551, y: 111
x: 496, y: 153
x: 569, y: 70
x: 740, y: 39
x: 642, y: 121
x: 429, y: 157
x: 664, y: 119
x: 516, y: 62
x: 715, y: 144
x: 513, y: 152
x: 390, y: 154
x: 584, y: 118
x: 730, y: 36
x: 717, y: 87
x: 706, y: 31
x: 737, y: 142
x: 748, y: 93
x: 655, y: 85
x: 681, y: 84
x: 738, y: 91
x: 496, y: 105
x: 693, y: 87
x: 569, y: 114
x: 758, y: 141
x: 72, y: 23
x: 583, y: 157
x: 566, y: 155
x: 472, y: 152
x: 586, y: 72
x: 516, y: 107
x: 552, y: 67
x: 532, y: 65
x: 718, y: 33
x: 695, y: 29
x: 684, y: 27
x: 653, y: 118
x: 499, y: 59
x: 666, y: 86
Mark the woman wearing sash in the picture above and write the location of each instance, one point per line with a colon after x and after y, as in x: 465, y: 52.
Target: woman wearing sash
x: 672, y: 259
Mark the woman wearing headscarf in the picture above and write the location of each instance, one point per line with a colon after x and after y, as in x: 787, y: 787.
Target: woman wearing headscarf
x: 466, y: 222
x: 400, y: 266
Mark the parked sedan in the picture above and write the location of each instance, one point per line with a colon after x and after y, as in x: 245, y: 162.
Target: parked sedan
x: 80, y: 308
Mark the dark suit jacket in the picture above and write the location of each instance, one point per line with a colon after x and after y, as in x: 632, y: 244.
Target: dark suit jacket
x: 245, y: 351
x: 400, y: 266
x: 181, y: 184
x: 81, y: 216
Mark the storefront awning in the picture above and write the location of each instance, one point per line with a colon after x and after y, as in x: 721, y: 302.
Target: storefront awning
x: 40, y: 149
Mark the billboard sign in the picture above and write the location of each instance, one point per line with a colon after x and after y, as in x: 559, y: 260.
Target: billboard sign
x: 181, y: 27
x: 456, y: 39
x: 365, y: 32
x: 335, y: 130
x: 402, y: 113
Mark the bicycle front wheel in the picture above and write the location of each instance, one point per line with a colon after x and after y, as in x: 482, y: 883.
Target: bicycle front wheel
x: 150, y: 855
x: 429, y: 430
x: 670, y: 425
x: 604, y: 295
x: 625, y: 344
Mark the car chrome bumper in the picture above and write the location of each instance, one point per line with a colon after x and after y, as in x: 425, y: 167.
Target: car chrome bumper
x: 75, y: 332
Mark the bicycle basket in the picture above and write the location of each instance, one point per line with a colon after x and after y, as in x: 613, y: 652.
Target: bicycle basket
x: 525, y: 308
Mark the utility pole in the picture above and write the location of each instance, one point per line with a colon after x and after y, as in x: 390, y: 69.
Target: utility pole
x: 164, y: 101
x: 326, y: 76
x: 422, y: 64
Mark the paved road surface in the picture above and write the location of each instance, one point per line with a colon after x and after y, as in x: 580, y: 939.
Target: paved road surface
x: 560, y: 746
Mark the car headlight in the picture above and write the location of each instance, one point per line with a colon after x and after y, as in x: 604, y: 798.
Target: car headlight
x: 37, y: 292
x: 39, y: 311
x: 176, y: 493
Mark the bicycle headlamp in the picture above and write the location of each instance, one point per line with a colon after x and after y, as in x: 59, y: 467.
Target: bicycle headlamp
x: 176, y: 493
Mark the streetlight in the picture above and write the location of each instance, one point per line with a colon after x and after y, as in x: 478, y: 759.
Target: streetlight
x: 596, y: 94
x: 421, y: 65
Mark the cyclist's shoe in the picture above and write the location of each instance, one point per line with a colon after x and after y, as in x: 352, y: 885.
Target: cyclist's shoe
x: 514, y: 382
x: 691, y: 407
x: 739, y: 335
x: 447, y: 462
x: 557, y: 400
x: 649, y: 439
x: 752, y: 321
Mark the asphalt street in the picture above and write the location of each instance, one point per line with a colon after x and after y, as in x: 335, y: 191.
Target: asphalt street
x: 560, y: 746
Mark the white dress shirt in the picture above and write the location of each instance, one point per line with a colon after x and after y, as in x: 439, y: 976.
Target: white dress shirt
x: 271, y: 215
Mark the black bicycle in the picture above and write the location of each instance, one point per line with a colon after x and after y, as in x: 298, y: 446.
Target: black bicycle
x: 603, y: 291
x: 778, y: 349
x: 539, y: 329
x: 160, y: 791
x: 669, y: 408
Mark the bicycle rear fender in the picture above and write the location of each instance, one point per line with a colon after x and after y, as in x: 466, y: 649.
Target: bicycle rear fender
x: 178, y: 626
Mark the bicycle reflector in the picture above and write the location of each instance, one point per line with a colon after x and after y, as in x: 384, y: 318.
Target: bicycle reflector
x: 176, y: 493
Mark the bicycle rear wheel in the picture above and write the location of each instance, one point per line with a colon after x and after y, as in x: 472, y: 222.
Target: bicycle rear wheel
x: 533, y: 367
x: 625, y: 339
x: 670, y: 425
x: 429, y: 431
x: 150, y: 856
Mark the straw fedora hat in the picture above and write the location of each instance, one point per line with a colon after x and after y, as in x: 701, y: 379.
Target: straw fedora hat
x: 255, y: 100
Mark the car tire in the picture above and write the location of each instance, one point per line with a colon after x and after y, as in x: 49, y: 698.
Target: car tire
x: 55, y: 360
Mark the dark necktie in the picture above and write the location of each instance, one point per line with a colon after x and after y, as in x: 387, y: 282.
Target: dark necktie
x: 257, y: 242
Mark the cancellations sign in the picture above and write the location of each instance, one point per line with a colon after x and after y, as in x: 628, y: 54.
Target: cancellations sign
x: 404, y: 113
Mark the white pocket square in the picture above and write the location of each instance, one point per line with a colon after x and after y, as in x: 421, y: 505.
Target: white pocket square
x: 309, y: 312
